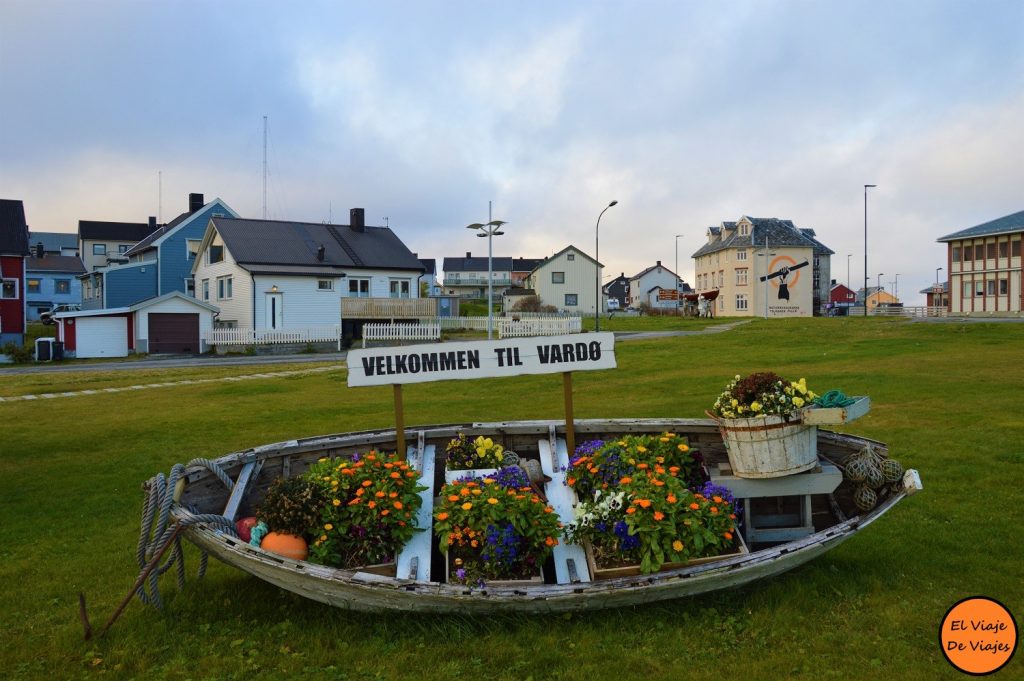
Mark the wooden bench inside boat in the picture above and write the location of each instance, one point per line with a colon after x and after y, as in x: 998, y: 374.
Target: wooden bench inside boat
x: 765, y: 527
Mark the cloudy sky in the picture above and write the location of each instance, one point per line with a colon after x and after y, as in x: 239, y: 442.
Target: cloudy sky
x: 687, y: 113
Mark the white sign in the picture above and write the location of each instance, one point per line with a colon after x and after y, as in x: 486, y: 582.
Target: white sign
x: 481, y: 359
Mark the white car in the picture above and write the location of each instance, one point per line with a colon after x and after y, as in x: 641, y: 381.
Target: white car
x: 47, y: 316
x: 613, y: 304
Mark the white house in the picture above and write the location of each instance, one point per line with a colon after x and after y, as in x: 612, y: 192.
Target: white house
x: 568, y: 280
x: 645, y: 286
x: 276, y: 275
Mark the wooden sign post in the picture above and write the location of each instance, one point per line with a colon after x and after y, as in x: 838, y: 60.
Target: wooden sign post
x: 397, y: 366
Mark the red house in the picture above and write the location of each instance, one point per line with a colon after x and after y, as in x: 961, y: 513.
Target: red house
x: 840, y: 296
x: 13, y: 252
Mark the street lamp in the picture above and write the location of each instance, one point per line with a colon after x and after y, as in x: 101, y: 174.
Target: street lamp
x: 677, y: 271
x: 937, y: 270
x: 866, y: 187
x: 937, y: 295
x: 848, y: 256
x: 597, y: 269
x: 878, y: 289
x: 491, y: 229
x: 896, y: 287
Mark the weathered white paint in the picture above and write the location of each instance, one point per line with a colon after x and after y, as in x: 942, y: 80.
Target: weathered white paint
x: 481, y: 359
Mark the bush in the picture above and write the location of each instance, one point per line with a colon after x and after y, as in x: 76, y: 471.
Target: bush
x: 532, y: 304
x: 292, y: 506
x: 17, y: 353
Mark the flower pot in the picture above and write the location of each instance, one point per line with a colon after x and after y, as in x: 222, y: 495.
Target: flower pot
x: 598, y: 572
x: 287, y: 545
x: 451, y: 476
x: 769, y: 446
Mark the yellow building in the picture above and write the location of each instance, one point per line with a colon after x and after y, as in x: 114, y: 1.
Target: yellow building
x: 984, y: 268
x: 764, y: 267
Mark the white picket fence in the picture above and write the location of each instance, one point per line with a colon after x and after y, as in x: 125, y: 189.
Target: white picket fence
x: 512, y: 328
x: 916, y: 311
x: 237, y: 336
x: 466, y: 323
x: 401, y: 332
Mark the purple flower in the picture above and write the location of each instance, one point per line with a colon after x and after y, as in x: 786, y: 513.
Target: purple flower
x: 461, y: 573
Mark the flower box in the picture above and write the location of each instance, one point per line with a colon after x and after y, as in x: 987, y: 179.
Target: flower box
x: 598, y: 572
x: 505, y: 583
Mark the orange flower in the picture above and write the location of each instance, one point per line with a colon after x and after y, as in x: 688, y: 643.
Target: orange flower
x: 714, y: 509
x: 548, y: 509
x: 551, y: 541
x: 466, y: 506
x: 571, y: 481
x: 694, y: 506
x: 395, y: 474
x: 683, y: 448
x: 398, y: 504
x: 658, y: 483
x: 492, y: 500
x: 474, y: 543
x: 717, y: 499
x: 354, y: 501
x: 408, y: 474
x: 642, y: 466
x: 453, y: 497
x: 658, y: 515
x: 732, y: 516
x: 367, y: 483
x: 673, y: 469
x: 359, y: 492
x: 671, y: 498
x: 626, y: 480
x: 442, y: 516
x: 728, y: 535
x: 385, y: 512
x: 631, y: 510
x: 464, y: 491
x: 372, y: 504
x: 644, y: 503
x: 381, y: 494
x: 677, y: 545
x: 393, y: 495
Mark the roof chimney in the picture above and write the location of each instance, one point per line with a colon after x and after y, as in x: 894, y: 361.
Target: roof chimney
x: 195, y: 202
x: 659, y: 263
x: 152, y: 222
x: 39, y: 250
x: 357, y: 219
x: 320, y: 253
x: 469, y: 254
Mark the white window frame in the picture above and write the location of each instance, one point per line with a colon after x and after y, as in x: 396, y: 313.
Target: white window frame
x: 3, y: 285
x: 741, y: 302
x: 402, y: 283
x: 741, y: 254
x: 123, y: 248
x: 192, y: 248
x: 99, y: 249
x: 990, y: 287
x: 968, y: 289
x: 325, y: 285
x: 211, y: 261
x: 741, y: 276
x: 359, y: 281
x: 206, y: 289
x: 570, y: 257
x: 225, y: 287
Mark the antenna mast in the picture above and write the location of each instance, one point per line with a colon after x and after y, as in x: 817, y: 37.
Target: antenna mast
x: 160, y: 196
x: 264, y: 167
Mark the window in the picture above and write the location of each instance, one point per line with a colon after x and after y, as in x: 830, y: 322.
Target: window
x: 741, y: 277
x: 968, y: 253
x: 324, y: 284
x: 33, y: 285
x: 743, y: 229
x: 956, y: 254
x: 99, y: 249
x: 979, y: 288
x: 1003, y: 287
x: 192, y: 248
x: 399, y: 288
x: 223, y: 288
x: 1004, y: 248
x: 570, y: 257
x: 741, y: 254
x: 968, y: 289
x: 359, y: 288
x: 1015, y: 248
x: 123, y: 248
x: 215, y: 254
x: 991, y: 251
x: 558, y: 277
x: 62, y: 286
x: 979, y: 251
x: 721, y: 278
x: 206, y: 289
x: 190, y: 287
x: 571, y: 299
x: 9, y: 289
x: 990, y: 287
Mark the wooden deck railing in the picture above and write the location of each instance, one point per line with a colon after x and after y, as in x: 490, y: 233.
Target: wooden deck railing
x: 388, y: 308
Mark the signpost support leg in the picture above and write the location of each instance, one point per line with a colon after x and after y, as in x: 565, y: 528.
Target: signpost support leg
x: 570, y: 430
x: 399, y: 421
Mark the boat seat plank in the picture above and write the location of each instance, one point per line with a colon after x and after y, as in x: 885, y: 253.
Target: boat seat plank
x: 238, y: 491
x: 414, y: 559
x: 570, y: 559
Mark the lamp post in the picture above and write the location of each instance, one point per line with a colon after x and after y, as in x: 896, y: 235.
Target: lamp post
x: 677, y: 271
x: 937, y: 270
x: 848, y: 256
x: 597, y: 269
x: 878, y: 289
x: 937, y: 295
x: 489, y: 230
x: 896, y: 287
x: 866, y: 187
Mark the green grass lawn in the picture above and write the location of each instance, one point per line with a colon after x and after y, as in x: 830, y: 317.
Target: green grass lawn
x: 947, y: 398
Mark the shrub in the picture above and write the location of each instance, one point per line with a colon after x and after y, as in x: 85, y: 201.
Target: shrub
x: 292, y: 506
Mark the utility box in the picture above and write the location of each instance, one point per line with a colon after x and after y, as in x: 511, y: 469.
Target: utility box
x: 44, y: 349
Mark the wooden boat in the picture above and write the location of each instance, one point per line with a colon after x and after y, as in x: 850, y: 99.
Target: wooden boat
x: 830, y: 520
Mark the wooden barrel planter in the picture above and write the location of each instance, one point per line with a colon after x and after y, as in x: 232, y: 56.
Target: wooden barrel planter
x: 769, y: 446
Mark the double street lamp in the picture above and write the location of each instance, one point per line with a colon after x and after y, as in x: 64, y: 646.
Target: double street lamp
x: 489, y: 230
x: 597, y: 269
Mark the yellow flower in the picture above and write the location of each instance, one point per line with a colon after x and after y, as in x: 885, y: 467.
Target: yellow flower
x: 755, y: 405
x: 798, y: 401
x: 492, y: 500
x: 641, y: 449
x: 466, y: 506
x: 735, y: 402
x: 336, y: 502
x: 328, y: 526
x: 323, y: 537
x: 677, y: 545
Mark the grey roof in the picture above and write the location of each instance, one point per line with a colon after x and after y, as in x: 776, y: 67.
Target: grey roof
x: 819, y: 248
x: 779, y: 233
x: 1003, y: 225
x: 476, y: 264
x: 525, y: 264
x: 53, y: 241
x: 113, y: 231
x: 70, y: 264
x: 143, y: 244
x: 653, y: 267
x: 570, y: 246
x: 13, y: 230
x: 269, y: 245
x: 429, y: 265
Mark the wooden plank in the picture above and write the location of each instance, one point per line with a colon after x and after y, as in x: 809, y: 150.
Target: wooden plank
x: 561, y: 498
x: 831, y: 416
x: 414, y: 560
x: 238, y: 491
x: 823, y: 481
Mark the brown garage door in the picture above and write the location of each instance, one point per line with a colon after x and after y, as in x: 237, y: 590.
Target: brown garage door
x: 173, y: 332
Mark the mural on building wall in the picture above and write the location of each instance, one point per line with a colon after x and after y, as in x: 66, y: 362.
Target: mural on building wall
x: 779, y: 272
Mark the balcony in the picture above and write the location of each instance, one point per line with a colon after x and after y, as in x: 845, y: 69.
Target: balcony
x: 476, y: 281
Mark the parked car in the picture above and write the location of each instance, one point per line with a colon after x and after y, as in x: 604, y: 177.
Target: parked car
x: 47, y: 316
x: 613, y: 304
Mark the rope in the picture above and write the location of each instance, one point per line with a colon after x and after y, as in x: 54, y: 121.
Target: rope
x: 155, y: 531
x: 833, y: 398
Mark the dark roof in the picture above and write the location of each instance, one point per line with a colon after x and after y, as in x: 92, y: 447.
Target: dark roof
x: 653, y: 267
x: 13, y: 230
x: 476, y: 264
x: 1008, y: 223
x: 143, y: 244
x: 429, y: 265
x: 71, y: 264
x: 53, y: 241
x: 113, y: 231
x: 280, y: 246
x: 525, y: 264
x: 779, y: 233
x: 931, y: 289
x: 819, y: 248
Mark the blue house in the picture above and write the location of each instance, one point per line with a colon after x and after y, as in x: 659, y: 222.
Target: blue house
x: 157, y: 265
x: 52, y: 280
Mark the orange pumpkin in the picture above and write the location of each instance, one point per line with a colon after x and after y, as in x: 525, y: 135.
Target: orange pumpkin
x: 287, y: 545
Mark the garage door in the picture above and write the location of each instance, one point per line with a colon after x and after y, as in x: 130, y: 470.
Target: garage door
x: 101, y: 337
x: 173, y: 332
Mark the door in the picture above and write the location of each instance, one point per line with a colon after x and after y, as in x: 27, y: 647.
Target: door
x: 173, y: 332
x: 274, y: 311
x: 101, y: 337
